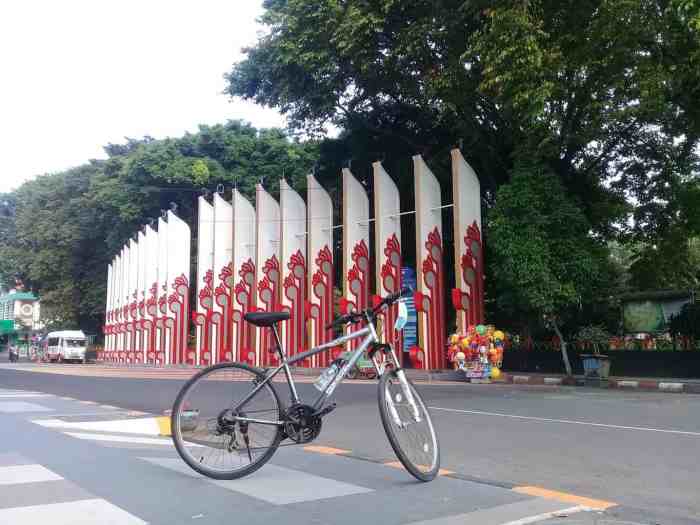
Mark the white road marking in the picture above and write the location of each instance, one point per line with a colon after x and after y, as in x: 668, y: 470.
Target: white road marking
x: 11, y: 407
x: 84, y: 512
x: 521, y: 512
x: 549, y: 515
x: 122, y: 439
x: 274, y: 484
x: 569, y: 421
x: 17, y: 474
x: 148, y: 426
x: 29, y: 394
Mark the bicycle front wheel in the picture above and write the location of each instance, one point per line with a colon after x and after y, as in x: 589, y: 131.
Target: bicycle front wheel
x: 206, y: 432
x: 408, y: 426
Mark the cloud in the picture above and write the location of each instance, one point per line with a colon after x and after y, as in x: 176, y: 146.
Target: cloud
x: 80, y: 74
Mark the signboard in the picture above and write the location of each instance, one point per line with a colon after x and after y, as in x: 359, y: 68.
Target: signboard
x: 410, y: 331
x: 7, y: 326
x: 650, y: 316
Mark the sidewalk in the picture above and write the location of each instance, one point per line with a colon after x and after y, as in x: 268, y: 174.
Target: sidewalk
x: 673, y: 385
x: 690, y: 386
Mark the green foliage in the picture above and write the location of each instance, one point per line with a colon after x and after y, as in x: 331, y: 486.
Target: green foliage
x: 594, y: 335
x: 687, y: 322
x: 543, y: 256
x: 61, y: 230
x: 601, y: 93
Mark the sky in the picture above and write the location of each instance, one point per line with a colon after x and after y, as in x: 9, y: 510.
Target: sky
x: 76, y: 75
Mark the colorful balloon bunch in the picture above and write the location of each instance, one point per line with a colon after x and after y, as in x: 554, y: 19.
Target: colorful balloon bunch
x: 481, y: 345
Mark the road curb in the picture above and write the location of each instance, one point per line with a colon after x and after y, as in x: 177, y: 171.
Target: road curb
x: 674, y: 387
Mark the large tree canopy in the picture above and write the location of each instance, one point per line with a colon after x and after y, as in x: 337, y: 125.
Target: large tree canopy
x: 602, y: 94
x: 58, y: 232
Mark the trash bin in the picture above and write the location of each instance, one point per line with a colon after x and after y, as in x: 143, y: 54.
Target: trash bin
x: 596, y: 368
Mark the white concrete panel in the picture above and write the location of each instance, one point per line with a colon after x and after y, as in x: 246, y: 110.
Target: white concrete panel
x: 387, y: 224
x: 293, y: 265
x: 466, y: 193
x: 223, y: 238
x: 320, y: 263
x: 163, y: 340
x: 223, y: 234
x: 428, y: 220
x: 244, y: 226
x: 244, y: 278
x: 179, y: 277
x: 267, y: 263
x: 205, y: 263
x: 355, y: 241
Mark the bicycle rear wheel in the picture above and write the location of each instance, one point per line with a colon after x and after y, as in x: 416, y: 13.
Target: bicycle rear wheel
x: 204, y: 430
x: 413, y: 439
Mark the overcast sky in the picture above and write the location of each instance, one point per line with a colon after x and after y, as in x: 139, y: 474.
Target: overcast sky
x: 78, y: 74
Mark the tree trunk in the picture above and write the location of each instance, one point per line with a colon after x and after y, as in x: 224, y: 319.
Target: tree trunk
x: 564, y: 353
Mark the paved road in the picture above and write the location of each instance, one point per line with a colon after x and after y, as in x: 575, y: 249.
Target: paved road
x: 638, y: 450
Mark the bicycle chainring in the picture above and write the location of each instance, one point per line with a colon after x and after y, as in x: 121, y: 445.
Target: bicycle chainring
x: 301, y: 426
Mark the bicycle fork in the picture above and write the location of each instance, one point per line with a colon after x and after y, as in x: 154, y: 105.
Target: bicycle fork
x: 405, y: 388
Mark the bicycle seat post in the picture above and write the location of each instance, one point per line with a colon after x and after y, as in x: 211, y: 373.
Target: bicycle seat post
x: 278, y: 343
x: 285, y: 366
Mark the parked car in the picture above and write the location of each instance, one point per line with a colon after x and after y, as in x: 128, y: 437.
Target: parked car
x: 66, y: 345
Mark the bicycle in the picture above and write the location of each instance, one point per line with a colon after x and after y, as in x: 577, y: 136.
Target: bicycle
x: 233, y: 438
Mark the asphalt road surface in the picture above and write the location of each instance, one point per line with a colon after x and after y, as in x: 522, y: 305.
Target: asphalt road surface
x: 511, y: 454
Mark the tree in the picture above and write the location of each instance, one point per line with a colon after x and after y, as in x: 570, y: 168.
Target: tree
x: 601, y: 94
x: 545, y: 262
x: 59, y: 231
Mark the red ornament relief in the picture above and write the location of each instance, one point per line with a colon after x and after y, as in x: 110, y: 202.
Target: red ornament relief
x: 223, y: 295
x: 165, y: 325
x: 178, y: 303
x: 432, y: 303
x: 150, y: 323
x: 358, y: 285
x: 391, y: 283
x: 473, y: 272
x: 245, y: 299
x: 204, y: 320
x: 268, y: 289
x: 322, y: 313
x: 295, y: 292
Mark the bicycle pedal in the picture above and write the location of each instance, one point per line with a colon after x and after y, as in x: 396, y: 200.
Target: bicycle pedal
x: 325, y: 410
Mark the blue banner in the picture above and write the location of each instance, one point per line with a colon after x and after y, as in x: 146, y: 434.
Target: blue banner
x: 410, y: 331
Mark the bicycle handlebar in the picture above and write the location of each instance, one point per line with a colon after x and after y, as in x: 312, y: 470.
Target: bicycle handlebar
x: 354, y: 317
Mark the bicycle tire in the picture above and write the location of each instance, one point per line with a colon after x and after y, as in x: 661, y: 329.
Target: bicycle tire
x: 179, y: 442
x: 417, y: 470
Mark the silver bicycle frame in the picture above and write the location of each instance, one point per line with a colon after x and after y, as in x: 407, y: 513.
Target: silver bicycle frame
x: 370, y: 336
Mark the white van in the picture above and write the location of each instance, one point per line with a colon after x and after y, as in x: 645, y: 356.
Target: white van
x: 66, y: 345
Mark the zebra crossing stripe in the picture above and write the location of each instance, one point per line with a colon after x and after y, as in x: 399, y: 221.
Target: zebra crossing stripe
x: 82, y: 512
x: 15, y: 474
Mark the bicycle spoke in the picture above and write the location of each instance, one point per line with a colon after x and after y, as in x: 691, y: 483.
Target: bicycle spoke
x: 210, y: 435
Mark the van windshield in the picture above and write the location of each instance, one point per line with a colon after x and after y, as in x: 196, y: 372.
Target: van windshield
x: 73, y: 343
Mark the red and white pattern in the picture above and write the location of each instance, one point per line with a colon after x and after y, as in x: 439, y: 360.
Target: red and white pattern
x: 321, y: 272
x: 432, y: 302
x: 268, y: 293
x: 468, y: 294
x: 321, y: 309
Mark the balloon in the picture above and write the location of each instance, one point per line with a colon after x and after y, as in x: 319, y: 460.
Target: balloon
x: 499, y: 335
x: 495, y: 372
x: 465, y: 342
x: 454, y: 339
x: 480, y: 329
